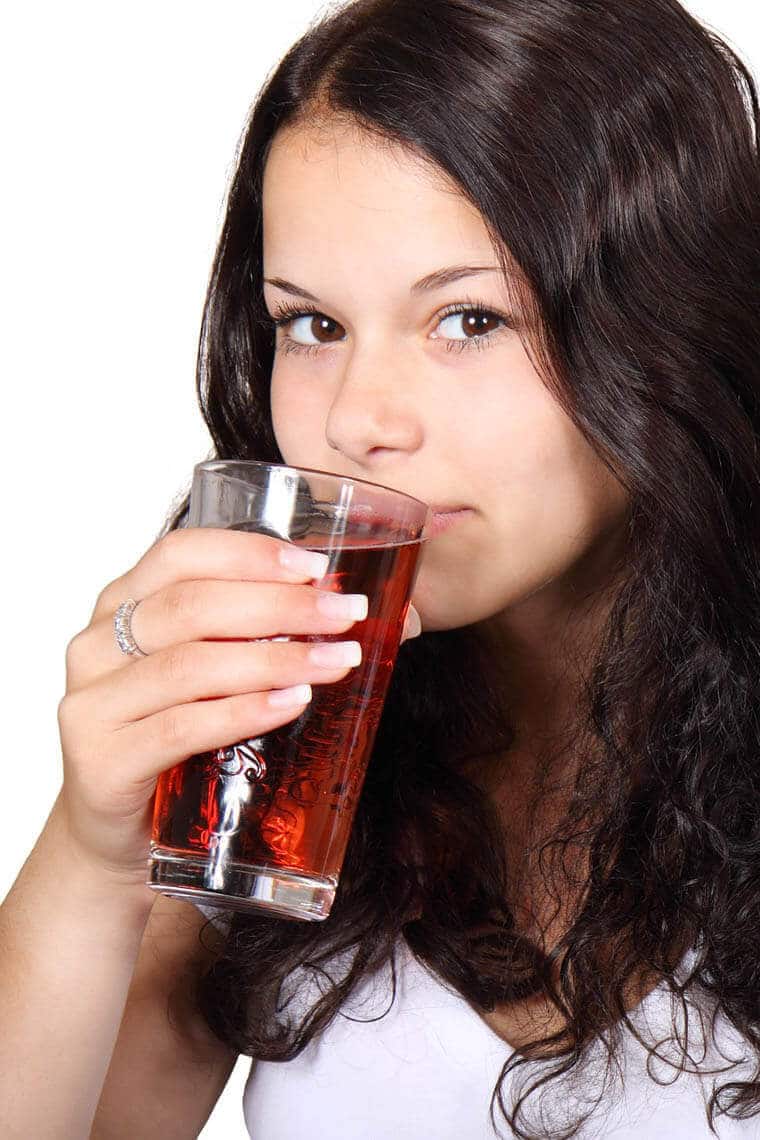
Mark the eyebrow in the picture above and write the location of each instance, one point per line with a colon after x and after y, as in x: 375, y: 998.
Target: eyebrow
x: 434, y: 280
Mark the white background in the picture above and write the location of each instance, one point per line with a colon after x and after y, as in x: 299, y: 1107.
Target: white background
x: 119, y: 129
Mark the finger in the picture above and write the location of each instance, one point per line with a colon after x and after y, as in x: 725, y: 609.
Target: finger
x: 201, y: 671
x: 204, y: 610
x: 139, y: 752
x: 212, y: 610
x: 204, y: 552
x: 158, y: 742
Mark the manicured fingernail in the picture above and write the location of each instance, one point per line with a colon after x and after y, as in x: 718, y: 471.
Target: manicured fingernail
x: 343, y: 606
x: 413, y: 624
x: 284, y: 698
x: 335, y: 654
x: 302, y: 561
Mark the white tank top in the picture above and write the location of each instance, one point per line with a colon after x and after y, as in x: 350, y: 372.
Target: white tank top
x: 427, y: 1068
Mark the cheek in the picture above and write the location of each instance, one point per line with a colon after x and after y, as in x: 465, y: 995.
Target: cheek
x: 545, y: 501
x: 552, y: 494
x: 280, y: 413
x: 295, y: 419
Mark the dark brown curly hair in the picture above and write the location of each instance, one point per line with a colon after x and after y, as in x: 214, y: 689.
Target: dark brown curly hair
x: 613, y: 157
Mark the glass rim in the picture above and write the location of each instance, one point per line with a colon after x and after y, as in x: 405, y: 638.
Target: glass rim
x: 212, y: 464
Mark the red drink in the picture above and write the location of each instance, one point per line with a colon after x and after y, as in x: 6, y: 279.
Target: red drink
x: 268, y: 820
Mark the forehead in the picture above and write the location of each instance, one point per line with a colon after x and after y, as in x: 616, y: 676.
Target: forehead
x: 338, y: 179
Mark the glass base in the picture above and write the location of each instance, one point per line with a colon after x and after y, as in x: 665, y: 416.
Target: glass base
x: 240, y: 886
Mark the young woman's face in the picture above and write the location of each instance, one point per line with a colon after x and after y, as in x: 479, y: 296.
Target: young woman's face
x: 383, y: 385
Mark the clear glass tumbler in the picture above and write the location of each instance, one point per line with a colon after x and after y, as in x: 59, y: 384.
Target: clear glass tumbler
x: 264, y: 823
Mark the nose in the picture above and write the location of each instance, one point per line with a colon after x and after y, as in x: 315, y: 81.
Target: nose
x: 372, y: 418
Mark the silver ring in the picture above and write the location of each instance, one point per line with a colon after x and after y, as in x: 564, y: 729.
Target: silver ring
x: 122, y: 624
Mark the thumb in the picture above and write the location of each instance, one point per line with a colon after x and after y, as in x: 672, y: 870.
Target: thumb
x: 412, y: 625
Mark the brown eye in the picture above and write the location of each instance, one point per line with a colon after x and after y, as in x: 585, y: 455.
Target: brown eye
x: 473, y: 322
x: 322, y: 327
x: 319, y: 326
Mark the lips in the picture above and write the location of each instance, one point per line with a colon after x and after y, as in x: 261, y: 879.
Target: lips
x: 444, y: 519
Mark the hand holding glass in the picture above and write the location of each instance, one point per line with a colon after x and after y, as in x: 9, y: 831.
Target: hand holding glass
x: 264, y: 823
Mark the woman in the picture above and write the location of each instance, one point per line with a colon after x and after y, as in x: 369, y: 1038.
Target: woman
x: 558, y: 830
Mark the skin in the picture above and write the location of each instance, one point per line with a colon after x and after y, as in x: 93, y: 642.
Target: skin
x: 356, y: 221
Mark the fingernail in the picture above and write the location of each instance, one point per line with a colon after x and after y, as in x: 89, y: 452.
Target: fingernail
x: 302, y: 561
x: 413, y: 624
x: 335, y: 654
x: 284, y: 698
x: 343, y: 606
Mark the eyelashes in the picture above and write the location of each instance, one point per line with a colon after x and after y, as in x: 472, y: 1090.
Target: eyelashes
x: 286, y: 314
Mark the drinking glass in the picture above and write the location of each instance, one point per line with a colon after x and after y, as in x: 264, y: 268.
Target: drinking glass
x: 264, y: 823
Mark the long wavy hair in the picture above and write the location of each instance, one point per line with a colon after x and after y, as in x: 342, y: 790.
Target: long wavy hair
x: 612, y: 153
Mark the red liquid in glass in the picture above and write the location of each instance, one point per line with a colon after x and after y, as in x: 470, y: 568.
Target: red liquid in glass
x: 287, y: 799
